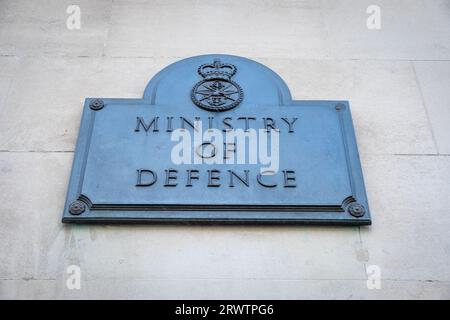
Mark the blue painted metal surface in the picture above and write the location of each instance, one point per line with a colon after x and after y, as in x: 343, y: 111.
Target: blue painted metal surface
x: 116, y: 160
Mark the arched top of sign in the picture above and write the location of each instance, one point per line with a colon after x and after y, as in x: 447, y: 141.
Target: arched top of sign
x: 217, y: 82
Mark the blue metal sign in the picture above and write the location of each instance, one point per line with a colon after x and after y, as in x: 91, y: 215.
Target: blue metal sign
x: 216, y: 139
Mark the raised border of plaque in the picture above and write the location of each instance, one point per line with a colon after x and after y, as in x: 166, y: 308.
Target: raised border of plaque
x: 222, y: 93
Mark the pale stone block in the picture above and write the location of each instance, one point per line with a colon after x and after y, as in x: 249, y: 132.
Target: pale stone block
x: 434, y: 80
x: 261, y: 289
x: 409, y: 199
x: 214, y: 252
x: 188, y: 28
x: 5, y: 85
x: 28, y: 289
x: 39, y: 28
x: 46, y: 98
x: 8, y: 69
x: 222, y: 289
x: 32, y: 193
x: 307, y: 29
x: 410, y: 30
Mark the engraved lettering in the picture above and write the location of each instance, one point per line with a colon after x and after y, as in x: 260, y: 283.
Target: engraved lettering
x: 148, y: 183
x: 289, y: 175
x: 269, y: 122
x: 243, y: 180
x: 264, y: 184
x: 227, y: 150
x: 210, y: 122
x: 247, y: 121
x: 170, y: 177
x: 200, y: 150
x: 228, y: 125
x: 169, y: 124
x: 185, y: 121
x: 140, y: 122
x: 191, y: 176
x: 213, y: 175
x: 290, y: 123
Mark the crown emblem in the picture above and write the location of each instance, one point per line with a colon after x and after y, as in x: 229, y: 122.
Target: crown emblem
x: 217, y: 70
x: 217, y: 92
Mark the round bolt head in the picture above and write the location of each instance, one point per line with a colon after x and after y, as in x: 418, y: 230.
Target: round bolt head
x: 356, y: 209
x: 340, y: 106
x: 77, y: 207
x: 96, y: 104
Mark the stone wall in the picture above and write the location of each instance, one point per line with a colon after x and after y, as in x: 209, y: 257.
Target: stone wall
x: 397, y: 80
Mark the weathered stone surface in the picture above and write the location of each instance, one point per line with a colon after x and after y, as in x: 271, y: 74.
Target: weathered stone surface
x: 32, y: 190
x: 412, y: 31
x: 256, y: 28
x: 42, y: 109
x: 39, y: 28
x: 224, y: 289
x: 434, y: 79
x: 409, y: 198
x: 305, y: 29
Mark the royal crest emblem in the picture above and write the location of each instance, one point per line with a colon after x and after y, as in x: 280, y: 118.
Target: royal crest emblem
x: 217, y: 92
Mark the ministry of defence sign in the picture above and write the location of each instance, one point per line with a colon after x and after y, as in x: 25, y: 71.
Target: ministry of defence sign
x: 216, y: 139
